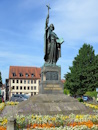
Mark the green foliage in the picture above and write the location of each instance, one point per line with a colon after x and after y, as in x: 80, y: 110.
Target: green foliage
x: 80, y: 99
x: 91, y: 94
x: 0, y: 82
x: 83, y: 75
x: 0, y: 100
x: 66, y: 91
x: 0, y: 78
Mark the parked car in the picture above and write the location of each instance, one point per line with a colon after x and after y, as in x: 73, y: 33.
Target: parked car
x: 87, y: 98
x: 17, y: 98
x: 25, y: 96
x: 1, y: 97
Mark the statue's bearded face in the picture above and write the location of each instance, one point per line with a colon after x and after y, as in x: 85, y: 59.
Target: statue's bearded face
x: 51, y: 27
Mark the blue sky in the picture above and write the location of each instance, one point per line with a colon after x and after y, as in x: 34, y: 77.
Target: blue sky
x: 22, y: 31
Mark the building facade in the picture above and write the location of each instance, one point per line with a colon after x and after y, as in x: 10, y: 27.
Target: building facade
x: 7, y: 89
x: 3, y: 91
x: 24, y: 80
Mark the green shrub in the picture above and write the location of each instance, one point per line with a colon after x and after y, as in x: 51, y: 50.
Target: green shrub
x: 80, y: 99
x: 66, y: 91
x: 91, y: 94
x: 0, y: 100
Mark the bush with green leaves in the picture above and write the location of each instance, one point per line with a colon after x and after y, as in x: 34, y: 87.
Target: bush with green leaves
x: 91, y: 94
x: 66, y: 91
x: 80, y: 99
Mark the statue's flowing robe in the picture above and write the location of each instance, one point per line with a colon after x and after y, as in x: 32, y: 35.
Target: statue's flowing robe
x: 51, y: 46
x: 45, y: 47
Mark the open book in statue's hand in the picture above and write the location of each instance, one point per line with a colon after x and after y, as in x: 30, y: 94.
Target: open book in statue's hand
x: 60, y: 40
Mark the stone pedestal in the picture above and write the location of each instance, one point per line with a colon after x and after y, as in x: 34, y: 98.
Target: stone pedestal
x: 51, y: 80
x: 11, y: 124
x: 52, y: 104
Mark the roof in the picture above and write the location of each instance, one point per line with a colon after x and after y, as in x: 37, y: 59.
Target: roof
x: 24, y: 70
x: 63, y: 80
x: 3, y: 86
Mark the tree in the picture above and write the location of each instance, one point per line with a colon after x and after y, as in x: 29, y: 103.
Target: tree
x: 95, y: 72
x: 0, y: 80
x: 81, y: 78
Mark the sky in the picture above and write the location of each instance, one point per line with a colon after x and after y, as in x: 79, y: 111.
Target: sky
x: 22, y: 24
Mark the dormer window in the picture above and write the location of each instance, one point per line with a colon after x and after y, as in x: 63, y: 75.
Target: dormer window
x: 20, y: 74
x: 27, y: 75
x: 14, y: 74
x: 32, y: 75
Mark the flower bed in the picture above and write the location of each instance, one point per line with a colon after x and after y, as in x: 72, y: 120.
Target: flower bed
x: 57, y: 122
x: 2, y: 105
x: 2, y: 128
x: 91, y: 105
x: 3, y: 123
x: 12, y: 103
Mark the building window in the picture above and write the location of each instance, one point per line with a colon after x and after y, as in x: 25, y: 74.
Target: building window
x: 31, y: 93
x: 13, y: 87
x: 20, y: 81
x: 39, y: 82
x: 26, y: 75
x: 20, y: 74
x: 20, y: 92
x: 13, y: 81
x: 16, y: 92
x: 28, y: 88
x: 32, y: 75
x: 35, y: 81
x: 31, y: 87
x: 24, y: 81
x: 28, y: 81
x: 34, y: 93
x: 14, y: 74
x: 17, y: 81
x: 24, y: 87
x: 20, y: 87
x: 16, y: 87
x: 31, y: 81
x: 34, y: 87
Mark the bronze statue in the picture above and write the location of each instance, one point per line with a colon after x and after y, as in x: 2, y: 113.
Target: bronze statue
x: 52, y: 44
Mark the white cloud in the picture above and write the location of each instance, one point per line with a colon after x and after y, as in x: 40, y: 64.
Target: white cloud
x: 76, y: 20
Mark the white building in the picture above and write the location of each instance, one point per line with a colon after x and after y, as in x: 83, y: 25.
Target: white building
x: 24, y: 80
x: 3, y: 91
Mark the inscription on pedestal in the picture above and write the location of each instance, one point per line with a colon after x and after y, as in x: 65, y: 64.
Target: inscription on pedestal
x: 53, y: 75
x: 52, y: 88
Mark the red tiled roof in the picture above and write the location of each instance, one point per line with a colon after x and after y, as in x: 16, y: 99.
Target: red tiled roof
x: 63, y: 81
x: 21, y: 69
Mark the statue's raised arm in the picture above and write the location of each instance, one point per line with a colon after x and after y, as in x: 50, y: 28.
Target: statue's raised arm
x: 45, y: 36
x: 52, y: 44
x: 47, y: 19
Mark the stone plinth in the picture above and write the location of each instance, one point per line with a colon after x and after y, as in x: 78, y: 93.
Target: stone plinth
x: 52, y: 104
x: 11, y: 123
x: 51, y: 80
